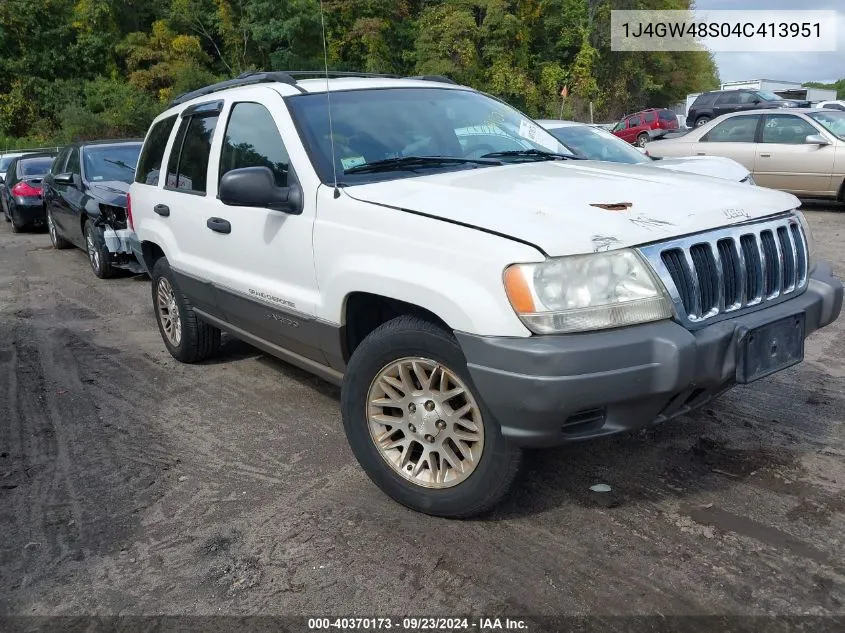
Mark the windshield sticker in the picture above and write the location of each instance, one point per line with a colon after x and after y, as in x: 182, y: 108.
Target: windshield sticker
x: 533, y: 133
x: 353, y: 161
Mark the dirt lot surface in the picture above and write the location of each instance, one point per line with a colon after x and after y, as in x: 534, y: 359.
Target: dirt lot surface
x: 132, y: 484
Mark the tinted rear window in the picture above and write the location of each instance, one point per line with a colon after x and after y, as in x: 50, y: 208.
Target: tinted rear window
x: 34, y: 166
x: 149, y: 165
x: 667, y: 115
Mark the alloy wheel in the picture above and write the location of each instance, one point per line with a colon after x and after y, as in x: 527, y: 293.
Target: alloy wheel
x: 425, y: 422
x: 168, y: 312
x: 93, y: 251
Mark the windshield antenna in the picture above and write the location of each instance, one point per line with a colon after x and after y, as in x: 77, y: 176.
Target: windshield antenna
x: 329, y: 99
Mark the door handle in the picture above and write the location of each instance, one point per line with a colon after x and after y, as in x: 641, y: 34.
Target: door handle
x: 765, y: 155
x: 162, y: 209
x: 219, y: 225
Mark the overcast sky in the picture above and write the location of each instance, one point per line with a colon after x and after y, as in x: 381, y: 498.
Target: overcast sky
x: 825, y: 67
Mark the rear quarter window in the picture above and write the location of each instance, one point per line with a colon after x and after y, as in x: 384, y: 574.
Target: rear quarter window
x: 152, y: 154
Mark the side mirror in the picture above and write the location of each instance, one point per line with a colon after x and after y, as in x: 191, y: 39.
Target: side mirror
x: 816, y: 139
x: 256, y: 187
x: 64, y: 179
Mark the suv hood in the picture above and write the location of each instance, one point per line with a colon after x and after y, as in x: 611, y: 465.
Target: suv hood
x: 716, y: 166
x: 557, y: 205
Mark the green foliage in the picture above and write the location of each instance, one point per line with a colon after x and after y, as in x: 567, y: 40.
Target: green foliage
x: 84, y: 68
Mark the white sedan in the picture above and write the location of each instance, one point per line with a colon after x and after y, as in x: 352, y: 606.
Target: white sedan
x: 594, y: 143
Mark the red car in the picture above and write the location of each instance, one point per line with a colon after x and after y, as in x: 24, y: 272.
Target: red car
x: 634, y: 128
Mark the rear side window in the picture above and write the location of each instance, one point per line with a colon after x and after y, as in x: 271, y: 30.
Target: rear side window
x: 253, y: 140
x: 187, y: 169
x: 634, y: 121
x: 728, y: 98
x: 705, y: 99
x: 649, y: 117
x: 152, y: 155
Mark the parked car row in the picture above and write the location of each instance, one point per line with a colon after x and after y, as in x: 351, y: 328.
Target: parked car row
x: 79, y: 194
x: 800, y: 150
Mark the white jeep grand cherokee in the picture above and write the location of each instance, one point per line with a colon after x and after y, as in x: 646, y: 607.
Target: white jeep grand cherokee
x: 471, y: 295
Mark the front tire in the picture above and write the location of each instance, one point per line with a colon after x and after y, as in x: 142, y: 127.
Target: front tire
x: 418, y: 427
x: 188, y: 338
x: 642, y: 139
x: 98, y: 253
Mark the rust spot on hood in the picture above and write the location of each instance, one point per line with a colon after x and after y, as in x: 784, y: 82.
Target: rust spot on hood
x: 613, y: 206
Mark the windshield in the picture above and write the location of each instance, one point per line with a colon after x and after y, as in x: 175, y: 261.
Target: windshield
x: 397, y: 123
x: 34, y: 166
x: 111, y: 162
x: 832, y: 120
x: 596, y: 144
x: 768, y: 96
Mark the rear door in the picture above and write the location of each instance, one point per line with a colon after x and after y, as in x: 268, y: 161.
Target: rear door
x: 735, y: 137
x: 726, y: 103
x: 786, y: 161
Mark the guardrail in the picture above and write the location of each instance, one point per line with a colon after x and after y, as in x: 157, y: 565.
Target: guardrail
x: 29, y: 150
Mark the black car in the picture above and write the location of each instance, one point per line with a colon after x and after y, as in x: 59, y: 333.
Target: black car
x: 85, y: 200
x: 709, y: 105
x: 21, y: 195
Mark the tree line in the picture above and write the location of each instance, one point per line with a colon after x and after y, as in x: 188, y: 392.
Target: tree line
x: 104, y: 68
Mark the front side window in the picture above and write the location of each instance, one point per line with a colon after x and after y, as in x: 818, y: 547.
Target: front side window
x: 149, y: 164
x: 833, y: 122
x: 786, y: 129
x: 58, y: 165
x: 109, y: 163
x: 596, y: 144
x: 748, y: 97
x: 399, y: 124
x: 188, y: 165
x: 738, y: 129
x: 767, y: 95
x: 253, y: 140
x: 73, y: 162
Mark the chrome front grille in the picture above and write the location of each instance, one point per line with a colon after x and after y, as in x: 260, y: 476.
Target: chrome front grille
x: 729, y: 271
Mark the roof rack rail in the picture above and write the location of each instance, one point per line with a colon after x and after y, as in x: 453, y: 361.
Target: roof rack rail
x: 318, y: 74
x: 244, y: 79
x: 439, y: 78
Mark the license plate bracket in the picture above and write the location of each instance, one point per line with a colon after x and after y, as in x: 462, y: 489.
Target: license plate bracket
x: 770, y: 348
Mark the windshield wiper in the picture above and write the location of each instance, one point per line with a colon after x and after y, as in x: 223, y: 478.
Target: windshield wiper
x: 532, y: 154
x: 120, y: 163
x: 411, y: 162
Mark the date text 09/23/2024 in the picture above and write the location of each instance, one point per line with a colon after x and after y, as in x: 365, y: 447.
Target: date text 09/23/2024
x: 481, y: 624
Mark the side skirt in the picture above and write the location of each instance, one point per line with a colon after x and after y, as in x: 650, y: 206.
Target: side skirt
x: 326, y: 373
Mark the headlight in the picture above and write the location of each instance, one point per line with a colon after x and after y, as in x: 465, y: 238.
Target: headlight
x: 586, y: 292
x: 748, y: 180
x: 811, y: 242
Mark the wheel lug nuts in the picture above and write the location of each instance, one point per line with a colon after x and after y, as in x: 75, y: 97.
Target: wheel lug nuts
x: 429, y: 438
x: 429, y: 405
x: 412, y: 408
x: 441, y: 424
x: 412, y: 428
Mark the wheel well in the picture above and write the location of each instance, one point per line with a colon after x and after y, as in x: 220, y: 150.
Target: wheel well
x: 365, y: 312
x: 151, y: 252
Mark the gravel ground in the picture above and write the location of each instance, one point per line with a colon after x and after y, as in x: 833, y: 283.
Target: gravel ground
x: 132, y: 484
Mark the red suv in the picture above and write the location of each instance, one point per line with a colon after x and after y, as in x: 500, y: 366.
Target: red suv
x: 634, y: 128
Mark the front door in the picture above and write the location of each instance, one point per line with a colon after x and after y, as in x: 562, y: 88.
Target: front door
x: 266, y: 282
x: 786, y: 161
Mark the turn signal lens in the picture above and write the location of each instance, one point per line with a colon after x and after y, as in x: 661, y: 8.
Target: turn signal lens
x: 519, y: 293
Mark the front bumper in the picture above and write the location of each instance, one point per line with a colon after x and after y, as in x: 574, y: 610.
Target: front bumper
x: 549, y: 390
x: 121, y: 254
